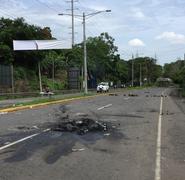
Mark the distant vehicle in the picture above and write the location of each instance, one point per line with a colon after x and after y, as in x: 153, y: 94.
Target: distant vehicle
x: 103, y: 87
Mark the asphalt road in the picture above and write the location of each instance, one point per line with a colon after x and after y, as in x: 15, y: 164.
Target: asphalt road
x: 146, y: 140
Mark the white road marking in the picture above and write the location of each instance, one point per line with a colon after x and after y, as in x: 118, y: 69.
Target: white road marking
x: 158, y: 148
x: 106, y: 106
x: 16, y: 142
x: 21, y: 140
x: 75, y: 150
x: 126, y: 98
x: 46, y: 130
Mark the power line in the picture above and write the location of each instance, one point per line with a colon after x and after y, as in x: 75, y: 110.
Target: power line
x: 7, y: 14
x: 96, y: 26
x: 46, y: 5
x: 72, y: 21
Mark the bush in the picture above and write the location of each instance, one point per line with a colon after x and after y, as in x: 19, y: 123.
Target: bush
x: 58, y: 85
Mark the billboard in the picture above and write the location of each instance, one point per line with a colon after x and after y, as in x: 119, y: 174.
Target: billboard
x: 20, y: 45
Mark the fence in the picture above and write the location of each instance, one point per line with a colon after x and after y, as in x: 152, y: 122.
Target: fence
x: 5, y: 77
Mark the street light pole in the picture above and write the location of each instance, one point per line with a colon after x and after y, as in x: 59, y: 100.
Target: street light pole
x: 85, y: 56
x: 132, y: 70
x: 140, y: 76
x: 72, y: 14
x: 84, y: 42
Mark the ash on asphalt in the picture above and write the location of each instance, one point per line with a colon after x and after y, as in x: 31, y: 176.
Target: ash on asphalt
x: 65, y: 133
x: 80, y: 126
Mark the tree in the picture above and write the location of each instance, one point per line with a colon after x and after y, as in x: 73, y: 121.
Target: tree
x: 18, y: 29
x: 6, y: 56
x: 103, y: 58
x: 53, y: 60
x: 173, y: 70
x: 149, y: 70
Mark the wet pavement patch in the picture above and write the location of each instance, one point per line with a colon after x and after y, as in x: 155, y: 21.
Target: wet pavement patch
x: 55, y: 145
x: 123, y: 115
x: 148, y: 110
x: 65, y: 133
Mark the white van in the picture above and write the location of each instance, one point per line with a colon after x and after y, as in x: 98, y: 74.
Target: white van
x: 103, y: 87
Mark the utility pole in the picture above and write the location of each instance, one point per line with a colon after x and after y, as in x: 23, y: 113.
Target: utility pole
x: 140, y: 76
x: 137, y: 54
x: 155, y: 58
x: 12, y: 78
x: 85, y: 56
x: 83, y: 16
x: 72, y: 15
x: 132, y: 70
x: 40, y: 78
x: 72, y: 20
x: 53, y: 73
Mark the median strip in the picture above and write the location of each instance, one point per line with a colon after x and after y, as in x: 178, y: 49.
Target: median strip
x: 30, y: 106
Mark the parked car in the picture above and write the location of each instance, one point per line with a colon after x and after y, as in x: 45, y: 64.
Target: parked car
x: 103, y: 87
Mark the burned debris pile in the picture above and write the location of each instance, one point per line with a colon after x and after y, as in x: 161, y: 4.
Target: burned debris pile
x: 82, y: 126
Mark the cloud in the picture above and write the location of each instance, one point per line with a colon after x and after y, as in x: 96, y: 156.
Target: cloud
x: 137, y: 13
x: 97, y: 8
x: 172, y: 37
x: 136, y: 43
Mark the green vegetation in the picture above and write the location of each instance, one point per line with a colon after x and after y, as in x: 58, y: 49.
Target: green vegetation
x: 53, y: 99
x: 176, y: 71
x: 103, y: 59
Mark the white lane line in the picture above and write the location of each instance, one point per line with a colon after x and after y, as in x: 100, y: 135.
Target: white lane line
x: 106, y: 106
x: 46, y: 130
x: 21, y: 140
x: 158, y: 148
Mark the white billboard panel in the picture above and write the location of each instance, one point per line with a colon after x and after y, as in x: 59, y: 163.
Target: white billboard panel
x: 24, y: 45
x: 21, y: 45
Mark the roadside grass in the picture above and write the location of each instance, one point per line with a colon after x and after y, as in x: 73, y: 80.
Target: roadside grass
x: 183, y: 93
x: 51, y: 99
x: 48, y: 99
x: 3, y: 98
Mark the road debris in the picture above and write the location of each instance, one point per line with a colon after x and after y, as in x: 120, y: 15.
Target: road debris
x: 75, y: 150
x: 81, y: 114
x: 113, y: 94
x: 26, y: 128
x: 82, y: 126
x: 6, y: 143
x: 35, y: 127
x: 133, y: 95
x: 107, y: 134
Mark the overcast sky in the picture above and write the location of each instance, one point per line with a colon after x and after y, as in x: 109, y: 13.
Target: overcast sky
x: 143, y: 26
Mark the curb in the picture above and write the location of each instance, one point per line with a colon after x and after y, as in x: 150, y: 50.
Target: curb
x: 12, y: 109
